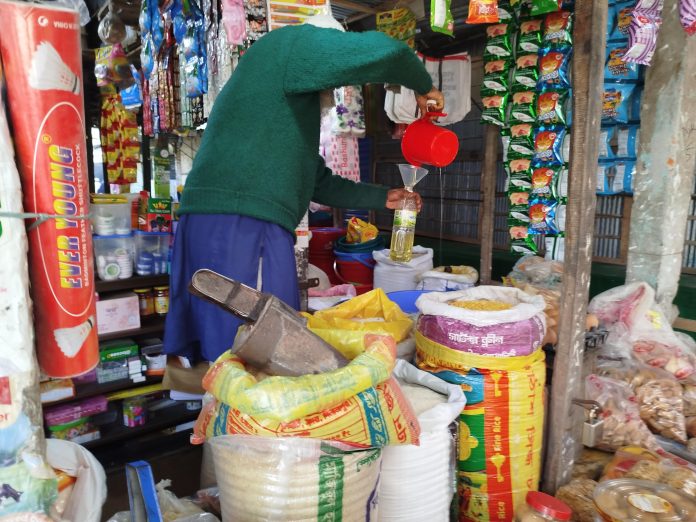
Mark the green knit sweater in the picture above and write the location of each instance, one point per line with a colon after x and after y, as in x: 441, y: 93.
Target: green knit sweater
x: 259, y: 153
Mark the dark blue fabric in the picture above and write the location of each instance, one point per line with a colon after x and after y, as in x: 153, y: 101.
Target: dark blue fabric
x: 232, y: 246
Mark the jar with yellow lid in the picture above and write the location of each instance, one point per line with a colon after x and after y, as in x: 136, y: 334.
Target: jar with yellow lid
x: 161, y: 300
x: 146, y: 301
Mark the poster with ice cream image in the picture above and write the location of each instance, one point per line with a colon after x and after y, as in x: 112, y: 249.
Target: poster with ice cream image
x: 41, y: 52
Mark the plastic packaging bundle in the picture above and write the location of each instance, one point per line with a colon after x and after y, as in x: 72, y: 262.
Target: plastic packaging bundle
x: 391, y: 276
x: 447, y: 279
x: 264, y: 479
x: 417, y: 482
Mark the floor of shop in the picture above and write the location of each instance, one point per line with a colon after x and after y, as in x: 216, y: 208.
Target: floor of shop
x: 181, y: 466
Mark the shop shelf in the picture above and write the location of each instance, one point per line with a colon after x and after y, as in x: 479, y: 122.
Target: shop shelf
x: 148, y: 326
x: 90, y: 389
x: 133, y: 282
x: 157, y: 420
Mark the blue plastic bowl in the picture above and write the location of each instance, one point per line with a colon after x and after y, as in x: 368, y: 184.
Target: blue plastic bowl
x: 406, y: 299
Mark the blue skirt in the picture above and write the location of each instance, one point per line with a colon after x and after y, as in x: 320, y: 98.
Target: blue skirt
x: 230, y: 245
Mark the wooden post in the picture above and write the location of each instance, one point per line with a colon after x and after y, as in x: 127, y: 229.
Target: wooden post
x: 666, y: 160
x: 489, y: 174
x: 565, y: 424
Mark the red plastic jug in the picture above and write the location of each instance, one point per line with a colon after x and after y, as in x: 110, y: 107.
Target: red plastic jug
x: 426, y: 143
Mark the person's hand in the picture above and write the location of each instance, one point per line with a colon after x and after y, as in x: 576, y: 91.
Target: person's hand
x: 433, y: 96
x: 396, y: 196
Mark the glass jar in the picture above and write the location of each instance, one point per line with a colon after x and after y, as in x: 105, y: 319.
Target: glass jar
x: 146, y: 301
x: 540, y: 507
x: 161, y: 300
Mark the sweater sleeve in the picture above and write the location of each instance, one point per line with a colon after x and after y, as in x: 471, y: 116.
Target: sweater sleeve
x: 339, y: 192
x: 326, y: 58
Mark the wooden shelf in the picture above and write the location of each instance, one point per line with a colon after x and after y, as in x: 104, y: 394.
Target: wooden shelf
x: 90, y: 389
x: 157, y: 420
x: 148, y: 326
x: 133, y: 282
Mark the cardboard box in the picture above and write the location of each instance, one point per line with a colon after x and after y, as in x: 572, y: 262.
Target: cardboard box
x: 119, y: 313
x: 155, y: 214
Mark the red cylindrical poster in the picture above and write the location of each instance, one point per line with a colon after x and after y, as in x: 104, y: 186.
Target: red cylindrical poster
x: 41, y: 54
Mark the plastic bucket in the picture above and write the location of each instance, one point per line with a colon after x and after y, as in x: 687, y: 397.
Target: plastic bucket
x: 426, y: 143
x: 354, y: 248
x: 321, y: 250
x: 355, y: 269
x: 406, y: 299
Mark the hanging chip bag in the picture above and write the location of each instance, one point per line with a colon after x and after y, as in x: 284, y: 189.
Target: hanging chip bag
x: 519, y: 181
x: 615, y: 102
x: 441, y: 19
x: 627, y: 139
x: 544, y: 217
x: 544, y: 181
x: 526, y: 72
x: 626, y: 171
x: 494, y: 108
x: 558, y: 29
x: 687, y: 16
x: 606, y: 134
x: 554, y: 67
x: 498, y: 43
x: 540, y: 7
x: 642, y: 38
x: 529, y: 38
x: 617, y: 69
x: 505, y: 11
x: 624, y: 17
x: 496, y: 75
x: 549, y: 146
x: 608, y: 182
x: 483, y: 12
x: 521, y: 141
x: 523, y: 108
x: 550, y: 107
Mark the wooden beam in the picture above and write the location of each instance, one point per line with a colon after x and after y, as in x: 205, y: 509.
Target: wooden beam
x: 354, y: 6
x: 565, y: 420
x: 489, y: 173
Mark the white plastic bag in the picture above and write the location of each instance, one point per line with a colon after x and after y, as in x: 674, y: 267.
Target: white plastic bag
x: 441, y: 280
x: 418, y: 482
x: 391, y: 276
x: 89, y: 492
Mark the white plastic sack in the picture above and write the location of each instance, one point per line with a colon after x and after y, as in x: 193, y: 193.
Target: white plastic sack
x: 525, y: 306
x: 391, y: 276
x: 418, y: 482
x: 440, y: 281
x: 89, y: 492
x: 269, y: 479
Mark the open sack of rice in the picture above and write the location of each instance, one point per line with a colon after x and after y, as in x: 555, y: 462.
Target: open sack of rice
x: 262, y: 479
x: 360, y: 404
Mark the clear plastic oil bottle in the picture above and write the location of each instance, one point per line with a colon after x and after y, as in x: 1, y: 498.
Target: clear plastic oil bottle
x: 404, y: 228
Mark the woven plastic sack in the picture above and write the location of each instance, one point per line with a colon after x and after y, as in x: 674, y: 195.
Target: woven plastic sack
x: 513, y: 332
x: 374, y: 418
x: 263, y: 479
x: 500, y: 429
x: 447, y: 279
x: 344, y: 326
x: 391, y: 276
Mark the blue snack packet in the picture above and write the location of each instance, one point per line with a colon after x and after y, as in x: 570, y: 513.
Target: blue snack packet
x: 543, y: 218
x: 616, y: 69
x: 623, y: 19
x: 554, y: 68
x: 626, y: 171
x: 636, y: 101
x: 627, y: 141
x: 616, y: 102
x: 605, y: 137
x: 549, y: 146
x: 609, y: 182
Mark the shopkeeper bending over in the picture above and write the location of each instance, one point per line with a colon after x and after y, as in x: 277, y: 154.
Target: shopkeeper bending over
x: 258, y: 168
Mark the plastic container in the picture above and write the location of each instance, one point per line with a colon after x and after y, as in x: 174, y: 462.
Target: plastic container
x: 426, y: 143
x: 641, y: 500
x: 111, y: 215
x: 540, y: 507
x: 151, y: 253
x: 146, y: 301
x: 355, y: 269
x: 161, y: 300
x: 79, y: 431
x: 406, y: 299
x: 321, y: 250
x: 134, y: 412
x: 114, y: 256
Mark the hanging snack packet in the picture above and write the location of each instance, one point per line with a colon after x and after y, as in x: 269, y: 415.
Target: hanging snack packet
x: 687, y: 16
x: 605, y: 137
x: 529, y: 38
x: 521, y: 141
x: 520, y: 182
x: 523, y: 109
x: 521, y: 167
x: 497, y: 75
x: 558, y: 29
x: 505, y: 11
x: 555, y: 248
x: 627, y: 140
x: 542, y: 217
x: 549, y: 146
x: 441, y: 19
x: 498, y: 44
x: 615, y: 102
x: 617, y: 69
x: 494, y: 108
x: 608, y: 182
x: 524, y: 247
x: 611, y: 20
x: 505, y: 139
x: 482, y: 12
x: 554, y: 65
x: 550, y: 182
x: 526, y: 72
x: 642, y: 37
x: 625, y: 172
x: 550, y: 107
x: 519, y: 200
x: 624, y: 16
x: 649, y: 5
x: 540, y: 7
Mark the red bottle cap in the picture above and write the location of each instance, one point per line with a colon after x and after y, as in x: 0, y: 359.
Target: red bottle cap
x: 548, y: 505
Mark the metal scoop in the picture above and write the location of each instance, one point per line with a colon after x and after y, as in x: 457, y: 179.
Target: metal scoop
x: 277, y: 342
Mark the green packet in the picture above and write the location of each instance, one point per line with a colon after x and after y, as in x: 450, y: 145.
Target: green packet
x: 523, y: 107
x: 499, y: 41
x: 441, y: 19
x: 496, y: 75
x: 494, y: 107
x: 521, y: 141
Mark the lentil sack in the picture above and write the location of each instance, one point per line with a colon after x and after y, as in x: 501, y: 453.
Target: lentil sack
x: 485, y: 320
x: 418, y: 482
x: 359, y: 404
x: 344, y: 326
x: 501, y: 427
x: 262, y: 479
